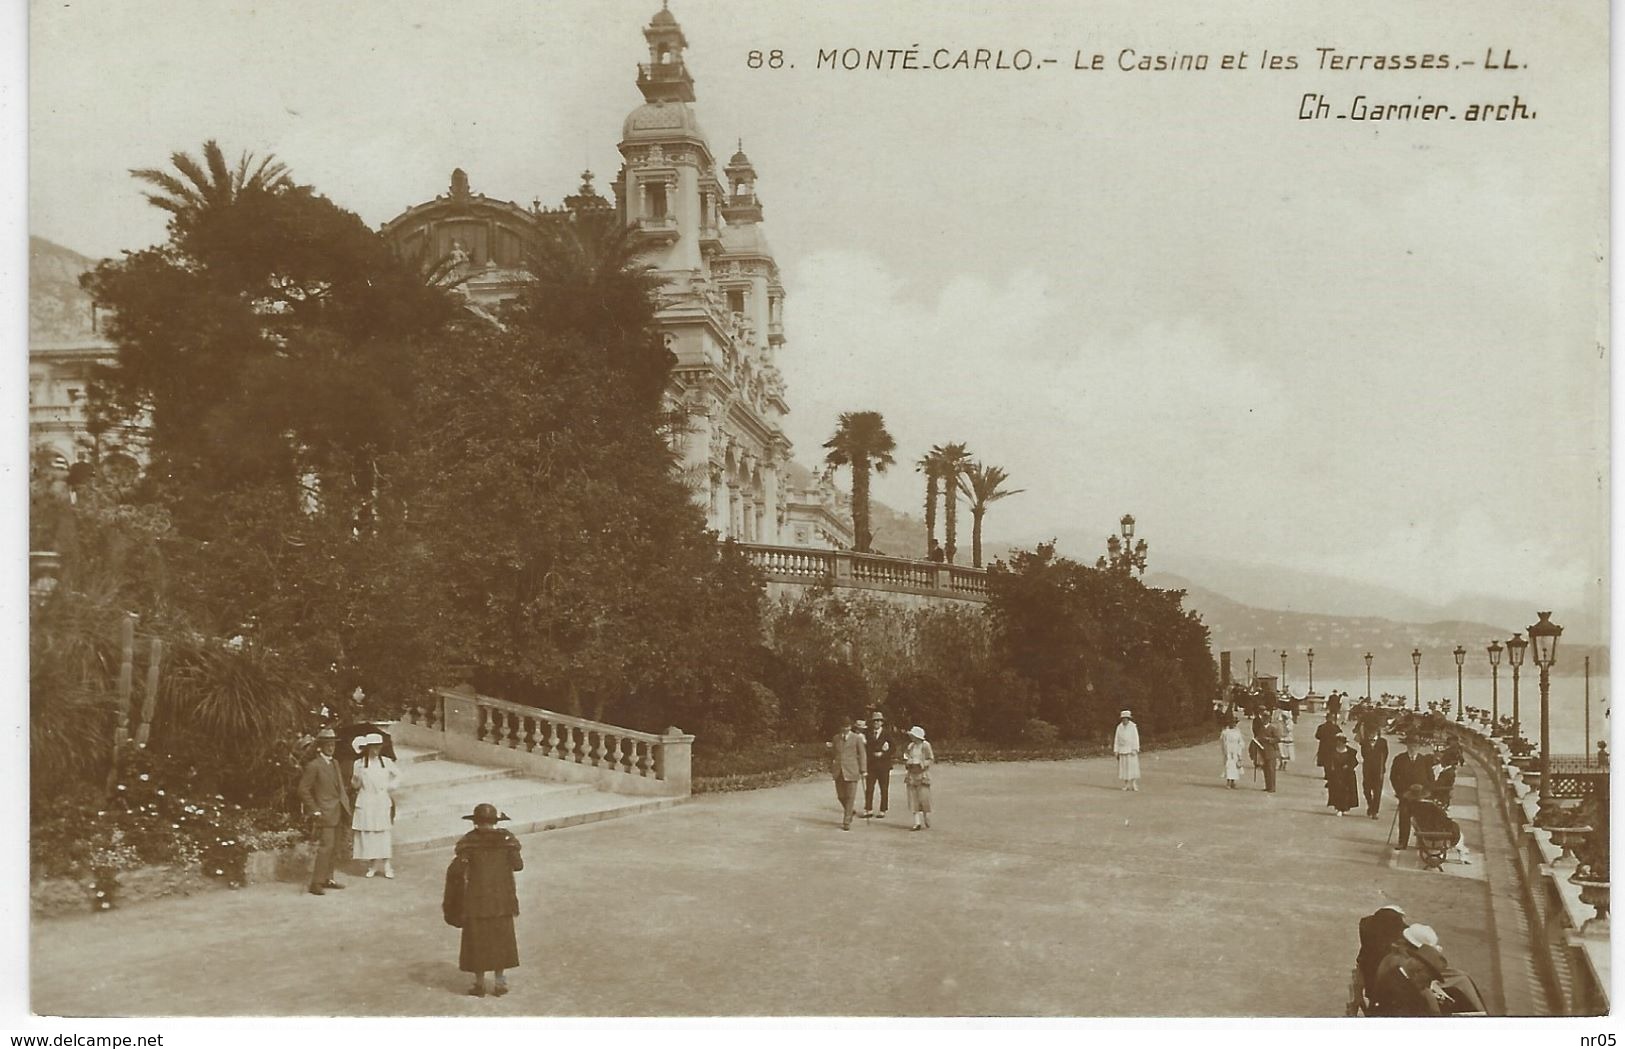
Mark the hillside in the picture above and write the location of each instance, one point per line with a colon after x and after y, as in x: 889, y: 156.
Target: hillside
x: 58, y: 309
x: 1340, y: 642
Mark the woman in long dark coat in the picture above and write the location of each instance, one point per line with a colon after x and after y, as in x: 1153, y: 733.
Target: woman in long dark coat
x: 489, y: 856
x: 1342, y: 792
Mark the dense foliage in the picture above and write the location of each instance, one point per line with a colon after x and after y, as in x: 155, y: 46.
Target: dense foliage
x: 356, y: 480
x: 1088, y: 642
x: 573, y: 568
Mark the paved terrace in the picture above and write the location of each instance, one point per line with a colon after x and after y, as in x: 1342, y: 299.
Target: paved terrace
x: 1041, y: 890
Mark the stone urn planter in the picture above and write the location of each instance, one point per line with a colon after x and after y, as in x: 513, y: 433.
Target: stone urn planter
x: 1568, y: 839
x: 1593, y: 894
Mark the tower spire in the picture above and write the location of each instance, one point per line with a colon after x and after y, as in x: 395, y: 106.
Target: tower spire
x: 664, y: 78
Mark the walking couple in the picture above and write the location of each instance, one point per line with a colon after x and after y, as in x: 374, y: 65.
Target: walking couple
x: 867, y: 759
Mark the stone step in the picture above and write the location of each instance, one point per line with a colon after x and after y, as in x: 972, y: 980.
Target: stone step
x: 432, y: 775
x: 405, y: 755
x: 454, y: 800
x: 554, y: 814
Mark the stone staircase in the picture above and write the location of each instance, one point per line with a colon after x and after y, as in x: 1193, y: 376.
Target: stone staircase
x: 436, y: 792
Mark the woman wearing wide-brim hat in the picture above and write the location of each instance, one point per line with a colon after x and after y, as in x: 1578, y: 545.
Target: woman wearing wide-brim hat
x: 1126, y: 745
x: 917, y: 761
x: 374, y: 778
x: 489, y: 902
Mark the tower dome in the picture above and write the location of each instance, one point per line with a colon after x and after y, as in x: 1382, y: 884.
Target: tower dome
x: 662, y: 120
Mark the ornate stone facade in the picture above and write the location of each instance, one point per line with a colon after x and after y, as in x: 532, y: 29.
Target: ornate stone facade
x: 721, y: 305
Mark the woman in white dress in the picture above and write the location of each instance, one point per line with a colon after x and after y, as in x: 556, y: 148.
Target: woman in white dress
x: 374, y: 780
x: 1126, y: 745
x: 1233, y: 748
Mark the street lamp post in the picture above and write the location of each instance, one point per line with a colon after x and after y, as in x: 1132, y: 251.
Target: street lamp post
x: 1515, y: 650
x: 1311, y: 670
x: 1283, y: 671
x: 1461, y: 656
x: 1494, y: 650
x: 1368, y: 677
x: 1416, y: 688
x: 1124, y: 554
x: 1544, y: 635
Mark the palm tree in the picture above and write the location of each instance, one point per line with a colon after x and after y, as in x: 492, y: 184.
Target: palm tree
x: 981, y: 486
x: 211, y: 184
x: 861, y: 442
x: 590, y: 277
x: 930, y: 464
x: 955, y: 457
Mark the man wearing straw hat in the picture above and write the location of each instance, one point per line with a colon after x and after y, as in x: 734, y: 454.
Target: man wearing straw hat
x: 1410, y: 769
x: 879, y: 767
x: 327, y: 804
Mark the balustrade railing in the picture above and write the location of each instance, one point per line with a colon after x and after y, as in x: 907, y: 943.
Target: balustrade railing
x: 564, y: 738
x: 1561, y: 860
x: 469, y: 726
x: 797, y: 564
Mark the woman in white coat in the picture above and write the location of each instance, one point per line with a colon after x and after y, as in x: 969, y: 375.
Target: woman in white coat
x: 1234, y: 749
x: 374, y: 779
x: 1126, y: 745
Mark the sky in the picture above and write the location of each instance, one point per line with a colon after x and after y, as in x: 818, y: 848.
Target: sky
x: 1374, y: 350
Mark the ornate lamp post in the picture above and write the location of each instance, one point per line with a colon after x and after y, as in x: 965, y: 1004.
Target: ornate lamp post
x: 1416, y: 689
x: 1283, y: 670
x: 1544, y: 635
x: 1123, y: 554
x: 1461, y: 656
x: 1311, y: 670
x: 1494, y: 650
x: 1368, y: 677
x: 1515, y: 651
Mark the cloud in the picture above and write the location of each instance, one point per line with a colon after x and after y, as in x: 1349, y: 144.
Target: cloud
x: 1084, y: 419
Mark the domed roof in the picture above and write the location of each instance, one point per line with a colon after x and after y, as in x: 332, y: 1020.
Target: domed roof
x: 663, y: 17
x: 745, y: 238
x: 662, y: 120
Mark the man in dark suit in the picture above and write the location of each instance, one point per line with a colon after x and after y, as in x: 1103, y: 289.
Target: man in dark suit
x: 327, y: 804
x: 1269, y: 743
x: 1373, y: 761
x: 880, y: 756
x: 1412, y: 768
x: 849, y: 761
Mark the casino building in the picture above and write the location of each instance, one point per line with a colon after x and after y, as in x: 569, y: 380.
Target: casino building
x: 721, y: 306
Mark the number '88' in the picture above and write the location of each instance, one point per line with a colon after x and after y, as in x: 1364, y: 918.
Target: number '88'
x: 770, y: 59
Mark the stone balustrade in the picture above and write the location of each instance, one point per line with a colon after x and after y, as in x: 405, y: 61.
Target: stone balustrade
x: 806, y: 566
x: 466, y: 726
x: 1567, y: 915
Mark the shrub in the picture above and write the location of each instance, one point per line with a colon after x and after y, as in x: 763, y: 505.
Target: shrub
x: 1039, y: 732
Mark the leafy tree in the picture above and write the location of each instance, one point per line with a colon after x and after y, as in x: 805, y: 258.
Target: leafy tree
x: 270, y: 346
x: 861, y: 442
x: 1092, y: 642
x: 982, y: 485
x: 573, y: 569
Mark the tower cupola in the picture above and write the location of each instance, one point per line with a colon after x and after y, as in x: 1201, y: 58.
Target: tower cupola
x: 743, y: 205
x: 664, y: 78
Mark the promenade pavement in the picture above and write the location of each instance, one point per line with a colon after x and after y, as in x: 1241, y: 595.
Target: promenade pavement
x: 1041, y: 890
